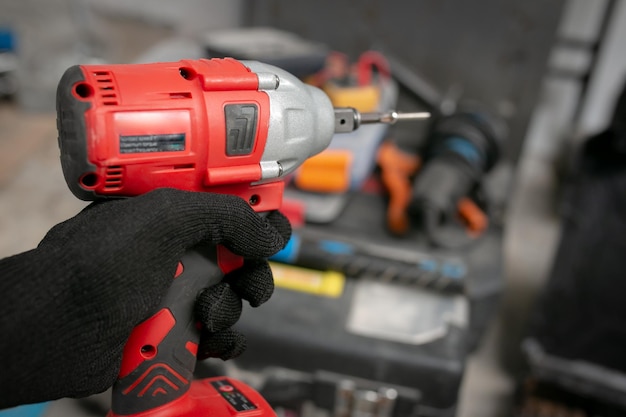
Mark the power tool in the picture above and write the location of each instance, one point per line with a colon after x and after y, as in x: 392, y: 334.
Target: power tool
x: 213, y: 125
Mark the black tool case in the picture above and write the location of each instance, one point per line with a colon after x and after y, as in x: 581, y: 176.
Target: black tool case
x: 376, y: 334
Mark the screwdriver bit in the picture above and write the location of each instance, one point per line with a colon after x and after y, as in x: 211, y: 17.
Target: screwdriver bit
x: 348, y: 119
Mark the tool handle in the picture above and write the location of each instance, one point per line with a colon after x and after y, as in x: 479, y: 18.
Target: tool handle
x: 160, y: 356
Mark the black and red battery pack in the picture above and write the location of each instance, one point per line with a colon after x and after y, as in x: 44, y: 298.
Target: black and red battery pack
x: 220, y: 396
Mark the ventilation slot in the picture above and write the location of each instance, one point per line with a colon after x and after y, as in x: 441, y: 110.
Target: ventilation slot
x: 180, y: 95
x: 106, y: 89
x: 114, y: 177
x: 184, y: 166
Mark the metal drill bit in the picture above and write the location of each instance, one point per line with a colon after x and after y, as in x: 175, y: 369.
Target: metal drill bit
x: 348, y: 119
x: 392, y: 117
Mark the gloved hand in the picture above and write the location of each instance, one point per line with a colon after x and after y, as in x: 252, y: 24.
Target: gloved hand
x: 68, y: 306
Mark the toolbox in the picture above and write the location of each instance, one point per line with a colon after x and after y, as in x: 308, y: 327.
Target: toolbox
x: 334, y: 342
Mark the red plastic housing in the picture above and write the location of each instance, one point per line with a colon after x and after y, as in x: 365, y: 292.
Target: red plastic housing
x: 136, y: 108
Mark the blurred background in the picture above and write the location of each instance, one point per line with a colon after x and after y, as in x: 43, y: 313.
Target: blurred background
x: 549, y: 75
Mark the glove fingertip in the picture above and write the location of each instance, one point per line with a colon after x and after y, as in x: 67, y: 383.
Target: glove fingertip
x: 281, y: 223
x: 261, y: 297
x: 218, y: 307
x: 238, y: 346
x: 227, y: 344
x: 253, y: 282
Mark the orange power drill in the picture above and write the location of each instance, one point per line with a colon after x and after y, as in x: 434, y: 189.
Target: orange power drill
x: 216, y: 125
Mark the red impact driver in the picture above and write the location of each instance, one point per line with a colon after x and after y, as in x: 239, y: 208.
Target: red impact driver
x: 216, y: 125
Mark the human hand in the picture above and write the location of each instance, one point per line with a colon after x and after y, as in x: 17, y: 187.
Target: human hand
x: 73, y: 301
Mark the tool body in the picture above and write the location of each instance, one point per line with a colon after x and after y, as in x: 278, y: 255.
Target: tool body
x: 217, y: 125
x: 212, y: 125
x: 207, y: 125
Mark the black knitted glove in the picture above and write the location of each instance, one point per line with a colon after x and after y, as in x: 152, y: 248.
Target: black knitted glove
x: 68, y: 307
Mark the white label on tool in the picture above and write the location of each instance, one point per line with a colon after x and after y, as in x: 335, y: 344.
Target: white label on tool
x: 405, y: 314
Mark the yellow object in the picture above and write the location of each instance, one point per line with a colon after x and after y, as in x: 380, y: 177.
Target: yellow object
x: 363, y: 98
x: 323, y: 283
x: 326, y: 172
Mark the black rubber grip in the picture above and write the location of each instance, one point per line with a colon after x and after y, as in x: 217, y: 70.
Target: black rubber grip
x: 168, y: 374
x: 72, y: 129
